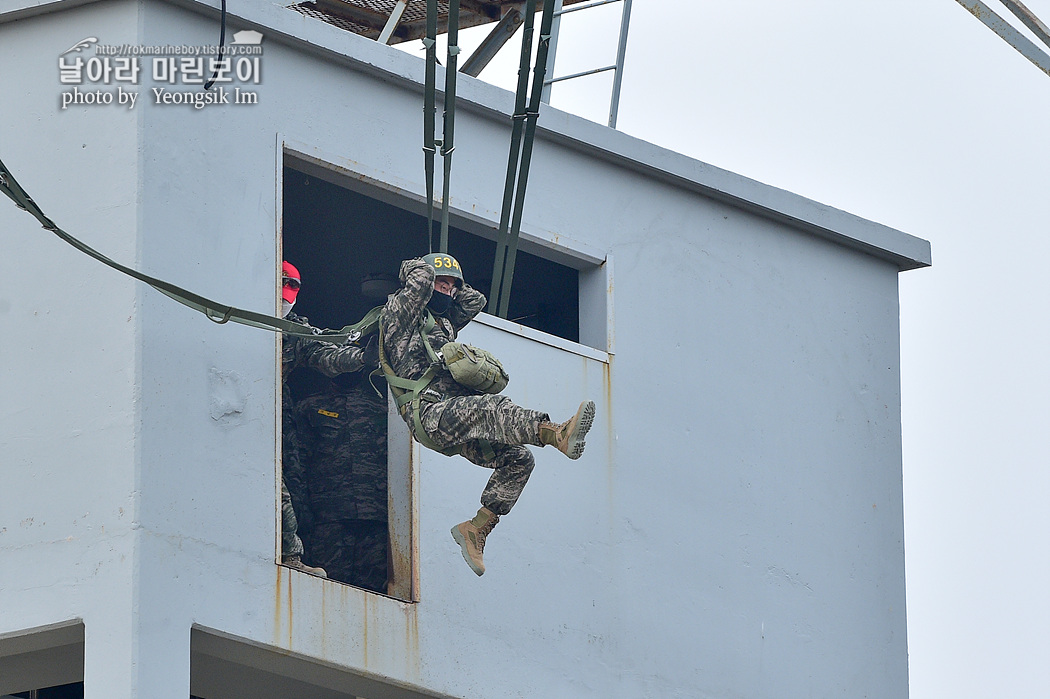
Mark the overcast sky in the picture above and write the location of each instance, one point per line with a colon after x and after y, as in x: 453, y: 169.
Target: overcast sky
x: 913, y: 114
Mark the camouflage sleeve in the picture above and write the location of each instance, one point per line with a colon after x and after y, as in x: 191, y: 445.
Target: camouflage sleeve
x: 417, y: 279
x: 332, y: 360
x: 401, y: 316
x: 405, y: 308
x: 468, y: 303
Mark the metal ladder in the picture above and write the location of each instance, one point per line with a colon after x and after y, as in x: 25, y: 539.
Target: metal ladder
x: 621, y: 52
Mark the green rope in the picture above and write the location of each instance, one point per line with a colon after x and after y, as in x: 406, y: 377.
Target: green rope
x: 216, y: 312
x: 531, y: 115
x: 447, y: 136
x: 520, y: 95
x: 429, y: 107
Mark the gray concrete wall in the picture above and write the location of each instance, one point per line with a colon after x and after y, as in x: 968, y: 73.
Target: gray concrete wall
x: 735, y: 528
x: 69, y: 346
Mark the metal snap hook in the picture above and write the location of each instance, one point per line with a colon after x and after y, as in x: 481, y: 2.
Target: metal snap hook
x: 224, y: 319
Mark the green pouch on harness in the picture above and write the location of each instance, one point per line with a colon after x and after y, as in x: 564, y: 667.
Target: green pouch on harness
x: 474, y: 367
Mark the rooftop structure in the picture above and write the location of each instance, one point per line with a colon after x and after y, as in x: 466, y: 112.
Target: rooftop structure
x: 369, y: 17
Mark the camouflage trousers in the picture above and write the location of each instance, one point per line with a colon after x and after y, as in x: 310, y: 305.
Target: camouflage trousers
x: 353, y: 551
x: 467, y: 419
x: 291, y: 545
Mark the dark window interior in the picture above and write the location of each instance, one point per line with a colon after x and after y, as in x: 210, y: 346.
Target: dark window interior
x: 338, y: 239
x: 74, y: 690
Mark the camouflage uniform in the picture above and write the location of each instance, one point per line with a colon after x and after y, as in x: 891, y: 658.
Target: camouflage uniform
x: 330, y: 360
x: 342, y: 436
x: 452, y: 414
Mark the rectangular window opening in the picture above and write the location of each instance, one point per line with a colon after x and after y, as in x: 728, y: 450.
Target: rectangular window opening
x: 73, y: 690
x: 347, y: 237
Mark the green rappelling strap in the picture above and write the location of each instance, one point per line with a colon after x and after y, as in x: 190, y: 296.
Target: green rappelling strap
x: 408, y: 395
x: 514, y: 191
x: 430, y: 142
x: 520, y: 95
x: 429, y: 107
x: 449, y: 123
x: 217, y: 312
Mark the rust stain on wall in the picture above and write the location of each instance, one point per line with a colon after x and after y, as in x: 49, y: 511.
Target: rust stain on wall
x: 277, y: 606
x: 412, y: 654
x: 324, y: 620
x: 290, y: 611
x: 283, y: 612
x: 610, y: 426
x: 348, y: 626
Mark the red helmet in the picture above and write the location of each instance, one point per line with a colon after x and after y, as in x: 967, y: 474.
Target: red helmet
x: 290, y: 282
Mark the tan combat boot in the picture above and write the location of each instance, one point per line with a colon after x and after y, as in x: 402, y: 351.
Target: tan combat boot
x: 568, y: 436
x: 296, y: 563
x: 470, y: 536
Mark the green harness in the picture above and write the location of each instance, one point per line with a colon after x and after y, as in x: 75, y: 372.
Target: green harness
x: 408, y: 393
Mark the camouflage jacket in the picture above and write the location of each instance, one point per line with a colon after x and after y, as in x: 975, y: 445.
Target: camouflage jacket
x: 329, y: 359
x: 405, y: 311
x: 342, y: 438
